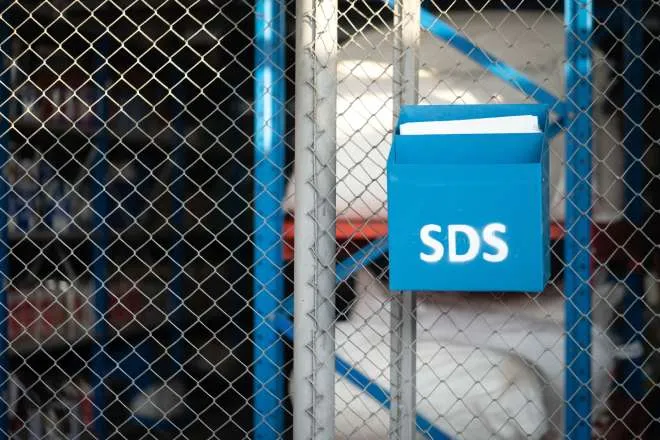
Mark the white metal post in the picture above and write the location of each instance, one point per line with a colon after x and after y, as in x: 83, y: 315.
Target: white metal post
x: 403, y: 322
x: 315, y: 180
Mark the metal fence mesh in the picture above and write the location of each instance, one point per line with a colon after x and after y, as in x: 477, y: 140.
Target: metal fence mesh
x: 148, y: 197
x: 128, y: 156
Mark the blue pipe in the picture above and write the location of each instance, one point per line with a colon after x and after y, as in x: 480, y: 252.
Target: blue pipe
x: 5, y: 48
x: 578, y: 201
x: 268, y: 286
x: 357, y: 378
x: 497, y: 67
x: 634, y: 148
x: 347, y: 267
x: 362, y: 382
x: 361, y: 258
x: 554, y: 128
x: 100, y: 360
x: 177, y: 256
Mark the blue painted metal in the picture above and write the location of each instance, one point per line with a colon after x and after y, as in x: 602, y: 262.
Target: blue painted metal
x: 491, y: 231
x: 175, y: 285
x: 358, y: 260
x: 269, y: 385
x: 488, y: 61
x: 362, y: 382
x: 634, y: 147
x: 578, y: 18
x: 347, y: 267
x: 554, y: 129
x: 5, y: 85
x: 379, y: 394
x: 101, y: 362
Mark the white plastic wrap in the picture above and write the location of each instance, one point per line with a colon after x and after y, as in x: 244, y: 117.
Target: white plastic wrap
x: 487, y: 367
x: 364, y: 104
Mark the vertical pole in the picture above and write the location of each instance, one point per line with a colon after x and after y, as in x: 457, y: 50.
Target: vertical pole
x: 175, y: 286
x: 268, y: 287
x: 100, y: 360
x: 403, y: 322
x: 5, y: 93
x: 634, y: 147
x: 578, y: 20
x: 315, y: 177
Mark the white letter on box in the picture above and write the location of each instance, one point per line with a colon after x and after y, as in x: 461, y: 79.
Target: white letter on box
x: 438, y: 250
x: 496, y: 242
x: 473, y: 240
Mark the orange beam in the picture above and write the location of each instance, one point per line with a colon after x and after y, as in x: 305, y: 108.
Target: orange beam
x: 359, y: 231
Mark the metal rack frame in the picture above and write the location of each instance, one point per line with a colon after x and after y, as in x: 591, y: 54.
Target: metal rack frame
x: 573, y: 115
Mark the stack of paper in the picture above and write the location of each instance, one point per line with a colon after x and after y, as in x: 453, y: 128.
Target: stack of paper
x: 504, y: 124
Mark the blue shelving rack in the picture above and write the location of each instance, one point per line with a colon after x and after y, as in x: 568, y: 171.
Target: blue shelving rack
x: 268, y: 287
x: 5, y: 53
x: 633, y: 376
x: 100, y: 362
x: 573, y: 116
x: 578, y: 19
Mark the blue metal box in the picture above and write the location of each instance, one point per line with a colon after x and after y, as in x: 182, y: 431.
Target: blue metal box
x: 469, y: 212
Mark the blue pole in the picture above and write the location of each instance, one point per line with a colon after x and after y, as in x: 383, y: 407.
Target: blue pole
x: 268, y: 286
x: 361, y: 259
x: 5, y: 48
x: 363, y: 383
x: 176, y: 282
x: 100, y: 360
x: 633, y: 141
x: 488, y: 61
x: 578, y: 18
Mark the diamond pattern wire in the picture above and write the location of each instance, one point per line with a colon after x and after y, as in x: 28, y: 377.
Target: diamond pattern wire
x: 127, y: 145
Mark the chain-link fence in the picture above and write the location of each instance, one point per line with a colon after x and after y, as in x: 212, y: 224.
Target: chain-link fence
x: 149, y: 190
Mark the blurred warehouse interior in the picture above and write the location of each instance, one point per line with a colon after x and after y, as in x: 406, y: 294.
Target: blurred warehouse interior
x: 167, y: 88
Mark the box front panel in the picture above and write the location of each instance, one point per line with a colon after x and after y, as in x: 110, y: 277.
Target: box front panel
x: 466, y: 228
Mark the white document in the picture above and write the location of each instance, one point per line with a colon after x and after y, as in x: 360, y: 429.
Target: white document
x: 502, y: 124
